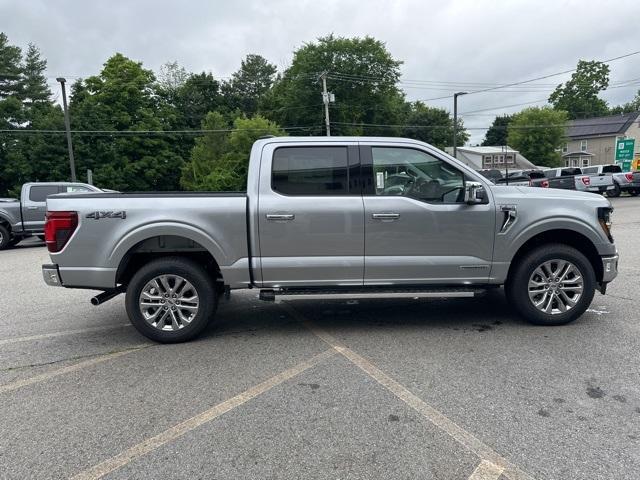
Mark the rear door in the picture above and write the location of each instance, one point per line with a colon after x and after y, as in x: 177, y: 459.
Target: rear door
x: 310, y: 215
x: 418, y: 230
x: 34, y: 206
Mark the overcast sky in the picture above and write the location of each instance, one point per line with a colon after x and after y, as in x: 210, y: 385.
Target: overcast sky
x: 466, y: 41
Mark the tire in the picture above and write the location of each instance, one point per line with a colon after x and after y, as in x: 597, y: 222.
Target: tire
x: 615, y: 192
x: 166, y: 272
x: 517, y: 286
x: 634, y: 193
x: 41, y: 237
x: 14, y: 241
x: 5, y: 237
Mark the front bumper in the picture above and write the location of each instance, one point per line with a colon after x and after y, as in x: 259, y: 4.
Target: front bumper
x: 609, y: 268
x: 51, y: 275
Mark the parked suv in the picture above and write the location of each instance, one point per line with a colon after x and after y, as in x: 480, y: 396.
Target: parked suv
x: 622, y: 182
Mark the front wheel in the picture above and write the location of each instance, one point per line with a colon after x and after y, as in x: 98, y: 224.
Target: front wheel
x: 552, y: 285
x: 171, y: 299
x: 634, y: 193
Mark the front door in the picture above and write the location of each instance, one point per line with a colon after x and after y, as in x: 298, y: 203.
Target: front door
x: 310, y: 215
x: 418, y: 230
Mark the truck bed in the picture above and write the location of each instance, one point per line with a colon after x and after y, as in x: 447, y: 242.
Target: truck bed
x: 110, y: 225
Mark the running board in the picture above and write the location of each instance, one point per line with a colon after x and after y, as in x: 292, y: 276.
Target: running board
x: 278, y: 295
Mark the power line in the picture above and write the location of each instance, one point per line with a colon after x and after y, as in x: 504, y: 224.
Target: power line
x: 149, y: 132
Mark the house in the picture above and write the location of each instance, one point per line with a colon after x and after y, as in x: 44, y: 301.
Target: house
x: 592, y: 141
x: 491, y: 157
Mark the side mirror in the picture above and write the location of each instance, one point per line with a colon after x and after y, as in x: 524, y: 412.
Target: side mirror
x: 474, y: 193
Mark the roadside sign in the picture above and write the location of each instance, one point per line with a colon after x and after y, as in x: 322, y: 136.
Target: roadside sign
x: 624, y: 152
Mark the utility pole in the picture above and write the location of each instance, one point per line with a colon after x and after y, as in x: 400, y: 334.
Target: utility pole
x: 455, y: 122
x: 327, y: 98
x: 67, y: 125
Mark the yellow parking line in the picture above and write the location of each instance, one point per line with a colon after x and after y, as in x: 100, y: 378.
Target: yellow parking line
x: 68, y: 369
x: 486, y: 471
x: 192, y: 423
x: 42, y: 336
x: 452, y: 429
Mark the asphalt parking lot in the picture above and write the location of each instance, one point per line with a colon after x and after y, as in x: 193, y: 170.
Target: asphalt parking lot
x: 429, y: 389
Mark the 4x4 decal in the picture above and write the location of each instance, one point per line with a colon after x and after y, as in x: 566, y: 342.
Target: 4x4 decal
x: 100, y: 215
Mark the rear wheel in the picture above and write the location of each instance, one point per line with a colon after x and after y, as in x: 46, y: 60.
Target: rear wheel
x: 171, y: 299
x: 552, y: 285
x: 5, y: 237
x: 615, y: 192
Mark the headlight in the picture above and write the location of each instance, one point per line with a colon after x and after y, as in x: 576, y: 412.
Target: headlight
x: 604, y: 217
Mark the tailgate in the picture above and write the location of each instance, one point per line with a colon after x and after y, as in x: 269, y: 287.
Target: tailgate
x: 601, y: 180
x: 567, y: 183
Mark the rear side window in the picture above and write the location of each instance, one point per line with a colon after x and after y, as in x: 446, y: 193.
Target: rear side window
x: 39, y: 193
x: 611, y: 169
x: 310, y: 171
x: 76, y: 188
x: 550, y: 173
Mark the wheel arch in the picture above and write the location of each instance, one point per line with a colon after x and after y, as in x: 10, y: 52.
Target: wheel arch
x: 163, y: 245
x: 568, y: 237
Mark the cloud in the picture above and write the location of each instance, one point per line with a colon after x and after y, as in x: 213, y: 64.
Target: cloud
x: 448, y: 41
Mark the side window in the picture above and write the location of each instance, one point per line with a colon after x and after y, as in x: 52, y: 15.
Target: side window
x: 415, y: 174
x: 310, y: 171
x: 590, y: 170
x: 76, y: 188
x: 39, y: 193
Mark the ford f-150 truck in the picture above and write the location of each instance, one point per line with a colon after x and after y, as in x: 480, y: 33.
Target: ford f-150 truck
x: 622, y: 181
x: 573, y: 178
x: 23, y: 218
x: 334, y: 217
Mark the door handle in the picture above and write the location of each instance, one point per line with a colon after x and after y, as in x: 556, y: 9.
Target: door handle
x: 385, y: 216
x: 32, y: 208
x: 280, y: 217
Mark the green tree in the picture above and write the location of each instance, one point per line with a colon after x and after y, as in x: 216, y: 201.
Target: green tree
x: 537, y: 133
x: 432, y: 125
x: 10, y: 68
x: 220, y: 159
x: 497, y: 133
x: 35, y: 91
x: 122, y: 99
x: 249, y: 84
x: 632, y: 106
x: 579, y: 95
x: 361, y: 73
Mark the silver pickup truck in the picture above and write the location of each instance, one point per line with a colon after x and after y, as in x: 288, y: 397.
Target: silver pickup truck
x: 334, y: 217
x: 24, y: 217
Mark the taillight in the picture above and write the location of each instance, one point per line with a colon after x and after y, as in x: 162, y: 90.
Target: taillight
x: 629, y: 176
x: 544, y: 184
x: 586, y: 180
x: 58, y: 228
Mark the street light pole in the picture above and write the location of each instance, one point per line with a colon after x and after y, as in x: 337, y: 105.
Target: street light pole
x: 455, y: 121
x: 67, y: 126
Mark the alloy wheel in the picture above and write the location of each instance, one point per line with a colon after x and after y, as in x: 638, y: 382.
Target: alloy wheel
x: 555, y: 286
